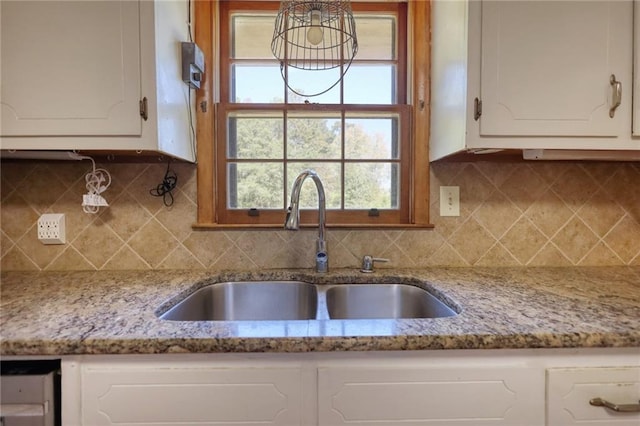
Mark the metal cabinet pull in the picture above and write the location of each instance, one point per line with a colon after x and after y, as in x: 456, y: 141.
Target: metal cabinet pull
x: 621, y: 408
x: 616, y: 97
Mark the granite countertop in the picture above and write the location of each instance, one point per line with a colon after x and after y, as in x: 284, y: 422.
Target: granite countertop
x: 109, y: 312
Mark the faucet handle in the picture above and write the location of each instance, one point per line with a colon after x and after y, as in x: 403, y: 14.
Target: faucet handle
x: 367, y: 263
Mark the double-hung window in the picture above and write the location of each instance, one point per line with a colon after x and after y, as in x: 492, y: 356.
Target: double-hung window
x: 356, y: 134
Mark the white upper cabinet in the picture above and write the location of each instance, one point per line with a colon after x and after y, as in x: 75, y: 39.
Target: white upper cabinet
x: 532, y: 75
x: 546, y: 67
x: 70, y: 68
x: 75, y: 75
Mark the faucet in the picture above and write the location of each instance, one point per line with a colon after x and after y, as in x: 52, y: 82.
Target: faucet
x: 293, y: 216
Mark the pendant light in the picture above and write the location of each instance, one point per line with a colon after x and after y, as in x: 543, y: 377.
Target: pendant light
x: 315, y: 35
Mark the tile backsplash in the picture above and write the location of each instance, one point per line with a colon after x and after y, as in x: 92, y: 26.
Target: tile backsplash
x: 554, y: 214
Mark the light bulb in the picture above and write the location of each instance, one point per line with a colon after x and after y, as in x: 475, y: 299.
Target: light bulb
x: 315, y: 33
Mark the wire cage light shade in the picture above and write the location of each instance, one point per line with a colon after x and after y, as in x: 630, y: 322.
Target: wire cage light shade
x: 315, y: 35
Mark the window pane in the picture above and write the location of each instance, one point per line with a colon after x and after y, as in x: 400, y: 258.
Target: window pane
x: 329, y: 174
x: 255, y: 185
x: 372, y: 137
x: 255, y: 136
x: 370, y: 84
x: 313, y: 136
x: 376, y: 37
x: 251, y: 36
x: 313, y: 82
x: 371, y: 185
x: 256, y: 84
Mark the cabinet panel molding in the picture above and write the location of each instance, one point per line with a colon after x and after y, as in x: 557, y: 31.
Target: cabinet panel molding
x: 569, y: 391
x: 170, y: 395
x: 416, y: 396
x: 545, y: 73
x: 70, y: 68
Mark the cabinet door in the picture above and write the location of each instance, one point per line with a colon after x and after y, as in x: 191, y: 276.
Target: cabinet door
x: 70, y: 68
x: 173, y: 394
x: 569, y: 391
x: 427, y: 396
x: 546, y: 67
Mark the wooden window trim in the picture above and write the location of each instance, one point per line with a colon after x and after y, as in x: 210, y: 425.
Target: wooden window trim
x: 206, y: 129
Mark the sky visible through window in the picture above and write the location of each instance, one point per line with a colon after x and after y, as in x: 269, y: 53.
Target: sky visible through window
x: 365, y: 85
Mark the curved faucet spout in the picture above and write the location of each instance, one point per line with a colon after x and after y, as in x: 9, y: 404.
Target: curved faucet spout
x: 293, y: 215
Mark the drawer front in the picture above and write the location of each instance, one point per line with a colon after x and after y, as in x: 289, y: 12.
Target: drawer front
x: 569, y: 391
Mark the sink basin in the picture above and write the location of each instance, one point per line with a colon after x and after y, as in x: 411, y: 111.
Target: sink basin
x: 250, y: 301
x: 380, y: 301
x: 298, y: 300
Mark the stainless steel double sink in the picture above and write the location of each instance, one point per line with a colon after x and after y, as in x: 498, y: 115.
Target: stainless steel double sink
x: 298, y: 300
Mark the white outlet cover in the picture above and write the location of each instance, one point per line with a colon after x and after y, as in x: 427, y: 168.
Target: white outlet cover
x: 51, y: 228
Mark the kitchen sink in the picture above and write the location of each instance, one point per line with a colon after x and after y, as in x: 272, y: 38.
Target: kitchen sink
x: 248, y: 301
x: 379, y: 301
x: 298, y: 300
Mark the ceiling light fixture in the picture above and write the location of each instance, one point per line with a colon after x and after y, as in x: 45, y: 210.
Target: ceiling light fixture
x: 314, y: 36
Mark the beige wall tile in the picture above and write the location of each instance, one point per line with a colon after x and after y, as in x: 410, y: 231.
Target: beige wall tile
x: 522, y: 213
x: 472, y: 241
x: 524, y: 187
x: 153, y: 243
x: 601, y: 213
x: 624, y: 239
x: 601, y: 255
x: 549, y: 213
x: 523, y: 240
x: 575, y: 240
x: 98, y: 243
x: 70, y: 260
x: 17, y: 216
x: 550, y: 256
x: 15, y: 260
x: 181, y: 258
x: 497, y: 214
x: 575, y: 187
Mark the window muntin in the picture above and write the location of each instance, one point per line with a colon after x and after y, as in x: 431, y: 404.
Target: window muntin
x: 357, y: 155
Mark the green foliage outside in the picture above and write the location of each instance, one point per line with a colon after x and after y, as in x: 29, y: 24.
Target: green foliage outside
x: 260, y: 184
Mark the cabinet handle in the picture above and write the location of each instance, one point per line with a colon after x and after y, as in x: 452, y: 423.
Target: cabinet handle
x: 621, y: 408
x: 616, y: 98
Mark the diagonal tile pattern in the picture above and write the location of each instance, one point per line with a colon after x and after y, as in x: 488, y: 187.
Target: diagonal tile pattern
x: 512, y: 214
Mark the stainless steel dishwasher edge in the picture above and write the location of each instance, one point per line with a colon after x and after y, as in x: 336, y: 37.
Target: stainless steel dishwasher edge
x: 30, y: 393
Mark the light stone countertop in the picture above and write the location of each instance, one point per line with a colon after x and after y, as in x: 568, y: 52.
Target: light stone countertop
x: 113, y: 312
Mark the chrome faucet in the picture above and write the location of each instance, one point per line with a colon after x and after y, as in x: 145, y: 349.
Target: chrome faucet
x: 293, y: 216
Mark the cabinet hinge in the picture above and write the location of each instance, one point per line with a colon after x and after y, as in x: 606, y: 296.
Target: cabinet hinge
x: 477, y: 109
x: 144, y: 109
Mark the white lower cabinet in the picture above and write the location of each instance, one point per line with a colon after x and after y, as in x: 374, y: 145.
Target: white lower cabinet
x: 189, y: 393
x: 407, y: 388
x: 430, y: 395
x: 569, y: 391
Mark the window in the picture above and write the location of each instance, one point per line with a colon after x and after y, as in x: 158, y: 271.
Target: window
x: 357, y: 135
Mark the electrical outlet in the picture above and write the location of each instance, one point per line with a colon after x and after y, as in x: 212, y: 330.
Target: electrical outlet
x: 51, y: 228
x: 449, y: 201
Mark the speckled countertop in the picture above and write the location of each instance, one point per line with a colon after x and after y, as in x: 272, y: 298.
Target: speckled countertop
x: 57, y: 313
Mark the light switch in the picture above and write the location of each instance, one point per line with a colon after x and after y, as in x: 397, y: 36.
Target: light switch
x: 449, y: 201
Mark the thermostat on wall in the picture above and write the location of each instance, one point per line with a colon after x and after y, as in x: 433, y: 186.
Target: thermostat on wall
x: 192, y: 64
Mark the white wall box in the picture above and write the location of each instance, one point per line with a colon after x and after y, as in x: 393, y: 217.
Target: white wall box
x: 74, y: 74
x: 569, y: 391
x: 529, y: 75
x: 411, y: 388
x: 636, y: 68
